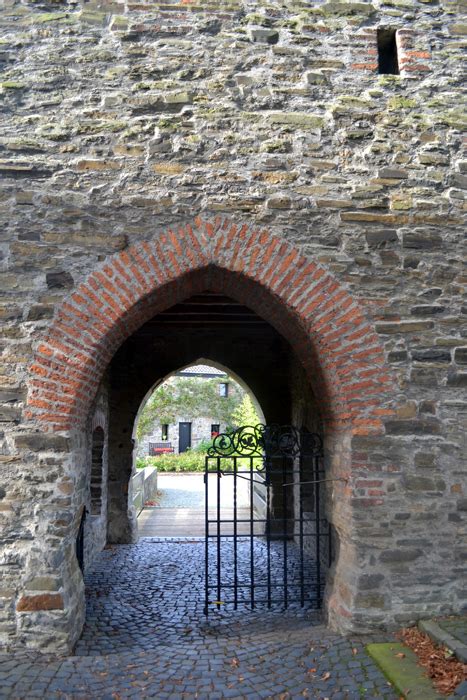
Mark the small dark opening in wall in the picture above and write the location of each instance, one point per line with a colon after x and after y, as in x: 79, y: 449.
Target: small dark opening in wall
x: 387, y: 52
x: 97, y: 467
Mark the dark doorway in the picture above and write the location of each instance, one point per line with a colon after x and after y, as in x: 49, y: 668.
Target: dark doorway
x: 184, y: 436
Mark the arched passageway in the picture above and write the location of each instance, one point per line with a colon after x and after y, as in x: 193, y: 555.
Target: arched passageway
x: 206, y: 324
x: 174, y: 429
x: 298, y: 339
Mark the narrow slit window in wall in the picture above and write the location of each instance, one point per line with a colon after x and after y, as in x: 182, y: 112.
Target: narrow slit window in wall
x: 96, y: 471
x: 387, y: 52
x: 165, y: 431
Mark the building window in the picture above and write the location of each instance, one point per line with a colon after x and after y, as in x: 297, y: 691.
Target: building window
x: 224, y: 389
x: 387, y: 52
x: 215, y: 430
x: 165, y: 431
x: 97, y: 468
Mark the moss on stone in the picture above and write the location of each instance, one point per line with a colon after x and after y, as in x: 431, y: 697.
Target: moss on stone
x: 52, y: 17
x: 456, y: 118
x: 12, y: 85
x: 396, y: 102
x: 399, y: 665
x: 386, y: 80
x: 296, y: 119
x: 344, y: 9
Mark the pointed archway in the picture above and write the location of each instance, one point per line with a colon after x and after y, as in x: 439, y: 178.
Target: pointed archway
x: 327, y: 328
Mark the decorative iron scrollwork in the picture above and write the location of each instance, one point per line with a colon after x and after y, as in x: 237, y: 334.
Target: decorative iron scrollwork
x: 247, y: 441
x: 266, y: 441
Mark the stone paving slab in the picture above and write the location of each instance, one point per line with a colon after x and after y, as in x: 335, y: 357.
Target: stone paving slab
x: 449, y: 632
x: 146, y: 637
x: 455, y: 626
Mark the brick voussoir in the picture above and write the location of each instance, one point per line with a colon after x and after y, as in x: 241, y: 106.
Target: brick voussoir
x: 103, y: 315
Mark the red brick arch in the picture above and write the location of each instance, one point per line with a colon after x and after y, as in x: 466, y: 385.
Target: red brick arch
x: 326, y: 327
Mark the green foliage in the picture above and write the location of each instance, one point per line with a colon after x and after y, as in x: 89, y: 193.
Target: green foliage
x: 202, y: 446
x: 245, y: 413
x: 191, y: 397
x: 190, y: 461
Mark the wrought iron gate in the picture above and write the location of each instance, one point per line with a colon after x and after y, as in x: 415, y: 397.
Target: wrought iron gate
x: 267, y: 542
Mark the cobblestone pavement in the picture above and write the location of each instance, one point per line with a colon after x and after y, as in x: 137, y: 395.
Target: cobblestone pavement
x: 146, y: 637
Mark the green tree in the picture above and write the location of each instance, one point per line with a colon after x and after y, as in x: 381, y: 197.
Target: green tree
x: 245, y: 413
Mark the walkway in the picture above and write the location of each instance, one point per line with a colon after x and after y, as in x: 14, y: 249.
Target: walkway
x: 180, y: 509
x: 146, y: 635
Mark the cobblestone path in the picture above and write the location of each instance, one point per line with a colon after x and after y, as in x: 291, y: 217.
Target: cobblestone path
x: 146, y: 637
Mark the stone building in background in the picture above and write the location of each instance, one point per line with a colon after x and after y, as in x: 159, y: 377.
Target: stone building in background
x: 188, y: 430
x: 277, y: 187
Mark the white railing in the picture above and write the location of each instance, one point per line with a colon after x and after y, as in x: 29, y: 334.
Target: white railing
x: 143, y: 487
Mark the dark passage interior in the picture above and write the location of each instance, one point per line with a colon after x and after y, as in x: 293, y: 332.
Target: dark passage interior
x: 210, y: 326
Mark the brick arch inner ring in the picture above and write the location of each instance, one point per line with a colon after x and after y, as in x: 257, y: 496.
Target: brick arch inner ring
x: 326, y: 327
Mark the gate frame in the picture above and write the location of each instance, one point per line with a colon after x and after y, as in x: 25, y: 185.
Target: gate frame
x: 270, y: 444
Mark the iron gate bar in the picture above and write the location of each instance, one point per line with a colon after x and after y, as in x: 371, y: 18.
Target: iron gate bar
x: 318, y: 552
x: 235, y: 536
x: 273, y: 452
x: 252, y: 566
x: 284, y: 526
x: 302, y: 567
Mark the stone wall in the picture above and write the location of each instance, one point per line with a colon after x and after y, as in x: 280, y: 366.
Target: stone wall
x: 124, y: 121
x: 200, y: 431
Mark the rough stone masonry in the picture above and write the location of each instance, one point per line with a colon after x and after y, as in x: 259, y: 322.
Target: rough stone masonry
x: 151, y: 150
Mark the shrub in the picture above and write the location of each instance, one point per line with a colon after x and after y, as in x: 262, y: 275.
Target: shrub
x: 189, y: 461
x: 202, y: 447
x: 141, y: 463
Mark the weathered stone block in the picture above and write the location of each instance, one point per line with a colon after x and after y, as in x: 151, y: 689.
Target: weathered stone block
x: 458, y: 379
x: 369, y: 581
x: 422, y: 426
x: 423, y: 483
x: 263, y: 35
x: 397, y: 356
x: 35, y: 603
x: 407, y: 410
x: 403, y: 327
x: 42, y: 442
x: 59, y: 280
x: 396, y: 556
x: 393, y: 174
x: 381, y: 236
x: 9, y: 414
x: 431, y: 355
x: 427, y: 240
x: 460, y: 356
x: 39, y: 312
x: 299, y: 120
x: 371, y: 600
x: 427, y: 310
x: 43, y: 583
